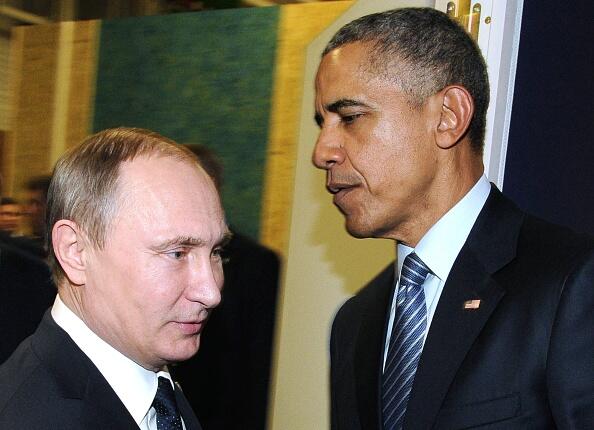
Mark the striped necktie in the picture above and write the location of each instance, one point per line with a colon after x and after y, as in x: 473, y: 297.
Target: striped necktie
x: 406, y: 342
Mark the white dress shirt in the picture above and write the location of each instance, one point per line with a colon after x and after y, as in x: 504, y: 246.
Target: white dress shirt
x: 134, y: 385
x: 439, y: 248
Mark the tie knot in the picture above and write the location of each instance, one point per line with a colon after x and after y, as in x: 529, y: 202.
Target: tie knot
x: 164, y: 403
x: 414, y: 271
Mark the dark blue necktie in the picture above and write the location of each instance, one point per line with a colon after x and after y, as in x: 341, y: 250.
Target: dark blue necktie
x: 168, y: 417
x: 406, y: 342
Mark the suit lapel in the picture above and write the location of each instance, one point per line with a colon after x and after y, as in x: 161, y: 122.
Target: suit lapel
x: 80, y: 381
x: 190, y: 419
x: 104, y: 409
x: 490, y: 245
x: 452, y: 333
x: 370, y: 348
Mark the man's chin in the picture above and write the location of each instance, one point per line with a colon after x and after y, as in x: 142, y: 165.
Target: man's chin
x: 364, y: 230
x: 356, y: 229
x: 183, y: 352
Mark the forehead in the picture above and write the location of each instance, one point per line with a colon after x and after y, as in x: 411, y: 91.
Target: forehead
x: 346, y: 74
x: 348, y: 70
x: 347, y: 62
x: 168, y: 197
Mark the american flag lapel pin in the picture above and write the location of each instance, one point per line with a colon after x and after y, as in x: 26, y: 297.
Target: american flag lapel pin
x: 472, y: 304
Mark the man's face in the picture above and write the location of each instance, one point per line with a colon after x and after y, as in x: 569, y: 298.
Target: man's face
x: 377, y: 150
x: 149, y: 291
x: 10, y: 217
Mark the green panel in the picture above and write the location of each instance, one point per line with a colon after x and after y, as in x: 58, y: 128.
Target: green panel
x: 197, y: 78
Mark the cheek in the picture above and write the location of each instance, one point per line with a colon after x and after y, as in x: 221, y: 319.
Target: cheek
x: 156, y: 287
x: 168, y: 283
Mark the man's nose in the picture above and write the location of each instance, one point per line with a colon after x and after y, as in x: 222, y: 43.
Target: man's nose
x: 328, y: 150
x: 206, y: 283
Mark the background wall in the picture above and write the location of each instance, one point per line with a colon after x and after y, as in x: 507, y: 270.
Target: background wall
x: 550, y: 156
x: 200, y: 78
x: 228, y: 79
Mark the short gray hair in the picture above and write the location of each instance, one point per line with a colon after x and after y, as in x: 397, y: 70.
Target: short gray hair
x: 83, y: 188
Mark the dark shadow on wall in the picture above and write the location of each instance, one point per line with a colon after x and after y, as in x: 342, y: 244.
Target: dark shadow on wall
x: 329, y: 232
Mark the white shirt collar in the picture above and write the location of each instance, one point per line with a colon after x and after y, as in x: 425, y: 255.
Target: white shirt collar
x: 135, y: 386
x: 440, y: 246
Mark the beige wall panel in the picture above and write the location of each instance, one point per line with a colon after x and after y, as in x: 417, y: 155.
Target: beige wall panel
x: 82, y: 83
x: 33, y: 69
x: 299, y: 24
x: 14, y: 82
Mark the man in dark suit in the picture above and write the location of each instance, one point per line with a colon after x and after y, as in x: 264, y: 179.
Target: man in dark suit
x: 27, y: 292
x: 135, y: 230
x: 486, y: 320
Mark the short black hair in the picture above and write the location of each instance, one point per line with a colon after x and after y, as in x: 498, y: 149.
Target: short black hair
x: 429, y: 50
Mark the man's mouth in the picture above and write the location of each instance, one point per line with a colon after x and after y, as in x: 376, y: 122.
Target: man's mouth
x: 340, y: 190
x: 191, y: 327
x: 335, y: 187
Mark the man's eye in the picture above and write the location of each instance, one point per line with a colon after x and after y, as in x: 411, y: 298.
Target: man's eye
x: 349, y: 119
x: 177, y: 254
x: 221, y: 254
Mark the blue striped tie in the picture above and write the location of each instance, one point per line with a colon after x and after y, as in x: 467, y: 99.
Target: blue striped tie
x: 406, y: 342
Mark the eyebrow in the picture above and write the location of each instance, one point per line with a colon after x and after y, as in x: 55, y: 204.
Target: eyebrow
x: 336, y: 106
x: 191, y: 242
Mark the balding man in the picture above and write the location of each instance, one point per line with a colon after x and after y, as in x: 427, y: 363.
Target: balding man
x: 135, y: 231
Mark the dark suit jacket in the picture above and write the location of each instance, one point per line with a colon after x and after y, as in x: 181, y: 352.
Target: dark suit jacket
x: 26, y: 291
x: 49, y: 383
x: 523, y: 360
x: 236, y: 346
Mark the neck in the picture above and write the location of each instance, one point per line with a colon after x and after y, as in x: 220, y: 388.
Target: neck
x: 449, y: 187
x: 70, y: 296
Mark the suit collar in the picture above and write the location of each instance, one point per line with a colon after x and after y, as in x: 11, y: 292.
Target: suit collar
x: 494, y: 237
x: 133, y: 384
x: 490, y: 246
x: 440, y: 245
x: 77, y: 378
x: 190, y: 419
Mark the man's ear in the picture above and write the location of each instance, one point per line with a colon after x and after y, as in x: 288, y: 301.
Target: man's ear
x: 69, y: 247
x: 457, y: 108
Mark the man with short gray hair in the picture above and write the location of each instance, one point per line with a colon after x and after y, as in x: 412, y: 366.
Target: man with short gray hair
x: 486, y: 318
x: 135, y: 231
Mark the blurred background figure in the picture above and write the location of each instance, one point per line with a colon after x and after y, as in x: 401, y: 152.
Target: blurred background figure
x: 22, y: 225
x: 25, y: 284
x: 235, y: 354
x: 35, y: 204
x: 10, y: 216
